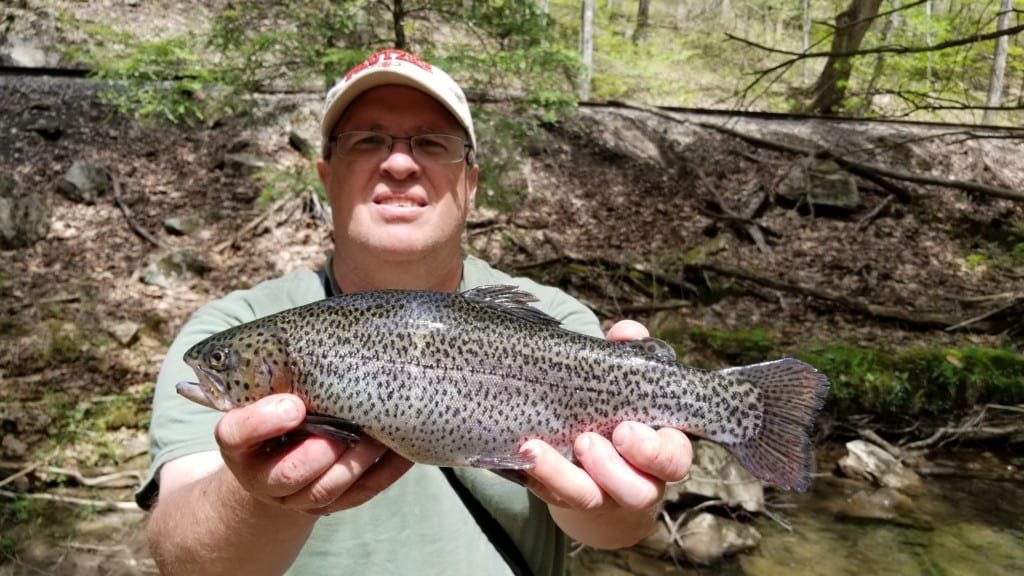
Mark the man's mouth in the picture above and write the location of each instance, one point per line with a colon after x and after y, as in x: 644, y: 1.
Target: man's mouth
x: 399, y: 201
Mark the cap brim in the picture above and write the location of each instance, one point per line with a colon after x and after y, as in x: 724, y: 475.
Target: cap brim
x: 373, y: 79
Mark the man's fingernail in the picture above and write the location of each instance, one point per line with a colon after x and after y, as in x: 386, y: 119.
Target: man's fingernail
x: 624, y: 435
x: 583, y: 443
x: 287, y: 409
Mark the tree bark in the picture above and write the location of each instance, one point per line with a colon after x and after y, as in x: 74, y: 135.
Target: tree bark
x: 398, y: 23
x: 643, y: 22
x: 586, y: 49
x: 995, y: 85
x: 852, y: 24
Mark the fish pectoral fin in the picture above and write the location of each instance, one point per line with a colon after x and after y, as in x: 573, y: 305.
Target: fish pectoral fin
x: 517, y: 476
x: 338, y: 429
x: 508, y: 466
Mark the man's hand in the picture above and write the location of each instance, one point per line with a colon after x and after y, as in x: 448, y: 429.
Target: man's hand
x: 611, y: 499
x: 314, y: 474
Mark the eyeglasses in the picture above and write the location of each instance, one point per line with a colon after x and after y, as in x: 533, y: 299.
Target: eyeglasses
x: 427, y: 148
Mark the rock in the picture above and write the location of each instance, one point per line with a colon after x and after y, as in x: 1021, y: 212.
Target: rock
x: 84, y: 183
x: 820, y: 183
x: 47, y: 127
x: 708, y: 538
x: 243, y: 164
x: 716, y: 475
x: 300, y: 144
x: 125, y: 332
x: 178, y: 266
x: 868, y: 462
x: 182, y: 225
x: 24, y: 220
x: 13, y: 447
x: 883, y: 504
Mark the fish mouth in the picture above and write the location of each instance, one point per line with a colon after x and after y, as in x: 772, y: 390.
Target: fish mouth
x: 209, y: 391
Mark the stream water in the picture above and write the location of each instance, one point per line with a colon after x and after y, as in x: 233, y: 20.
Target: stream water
x: 952, y: 527
x: 955, y: 527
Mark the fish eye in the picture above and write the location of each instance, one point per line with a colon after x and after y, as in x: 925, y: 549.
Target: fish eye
x: 218, y: 358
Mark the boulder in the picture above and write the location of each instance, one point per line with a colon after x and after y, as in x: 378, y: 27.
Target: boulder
x: 24, y: 219
x: 716, y: 475
x: 84, y: 183
x: 869, y: 462
x: 182, y: 225
x: 243, y: 164
x: 883, y: 505
x: 708, y: 538
x: 178, y: 266
x: 820, y: 183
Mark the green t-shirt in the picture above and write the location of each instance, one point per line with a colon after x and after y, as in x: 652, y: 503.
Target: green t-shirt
x: 418, y: 525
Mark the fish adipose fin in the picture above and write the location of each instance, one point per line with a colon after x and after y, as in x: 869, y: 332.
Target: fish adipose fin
x: 655, y: 347
x: 793, y: 392
x: 338, y: 429
x: 510, y: 300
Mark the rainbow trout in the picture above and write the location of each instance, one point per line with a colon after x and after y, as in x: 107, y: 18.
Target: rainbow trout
x: 464, y: 379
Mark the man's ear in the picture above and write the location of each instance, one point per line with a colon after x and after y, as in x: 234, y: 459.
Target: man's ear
x: 324, y: 174
x: 472, y: 173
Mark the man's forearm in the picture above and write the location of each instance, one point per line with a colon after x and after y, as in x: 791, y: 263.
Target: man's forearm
x: 212, y: 526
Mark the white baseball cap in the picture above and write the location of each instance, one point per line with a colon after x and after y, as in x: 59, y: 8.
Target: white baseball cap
x: 393, y: 66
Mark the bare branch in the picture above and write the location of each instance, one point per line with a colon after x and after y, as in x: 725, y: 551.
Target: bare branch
x: 797, y: 56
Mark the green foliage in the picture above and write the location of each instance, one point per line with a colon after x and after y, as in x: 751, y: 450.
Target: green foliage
x: 515, y: 46
x: 918, y: 381
x: 80, y: 420
x: 21, y: 510
x: 505, y: 141
x: 153, y: 79
x: 737, y: 348
x: 297, y: 181
x: 265, y: 44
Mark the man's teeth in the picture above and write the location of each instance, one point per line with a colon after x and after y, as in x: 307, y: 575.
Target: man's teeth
x: 400, y: 202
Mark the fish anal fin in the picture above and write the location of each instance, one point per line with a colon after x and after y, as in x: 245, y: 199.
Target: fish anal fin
x: 793, y: 393
x: 510, y: 300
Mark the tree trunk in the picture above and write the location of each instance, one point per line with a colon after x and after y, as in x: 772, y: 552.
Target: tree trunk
x: 852, y: 24
x: 869, y: 93
x: 398, y: 23
x: 643, y: 22
x: 805, y: 7
x: 995, y: 85
x: 586, y: 49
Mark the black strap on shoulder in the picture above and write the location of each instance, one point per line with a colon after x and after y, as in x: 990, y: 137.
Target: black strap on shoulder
x: 325, y: 282
x: 490, y: 526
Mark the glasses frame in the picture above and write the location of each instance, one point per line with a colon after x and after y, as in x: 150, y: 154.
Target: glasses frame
x: 389, y: 146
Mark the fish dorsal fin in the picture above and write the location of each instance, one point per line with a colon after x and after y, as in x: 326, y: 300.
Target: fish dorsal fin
x: 655, y: 347
x: 510, y: 300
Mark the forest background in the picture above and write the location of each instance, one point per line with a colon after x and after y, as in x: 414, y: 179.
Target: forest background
x: 913, y: 304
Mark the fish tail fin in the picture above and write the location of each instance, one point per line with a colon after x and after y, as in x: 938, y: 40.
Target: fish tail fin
x: 793, y: 393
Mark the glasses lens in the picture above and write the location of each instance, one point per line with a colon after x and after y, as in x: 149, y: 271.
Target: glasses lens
x: 433, y: 148
x: 361, y: 144
x: 442, y: 148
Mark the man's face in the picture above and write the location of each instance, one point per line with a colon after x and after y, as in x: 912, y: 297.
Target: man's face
x: 398, y: 208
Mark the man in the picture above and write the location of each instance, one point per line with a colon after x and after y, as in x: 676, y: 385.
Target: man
x: 399, y: 170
